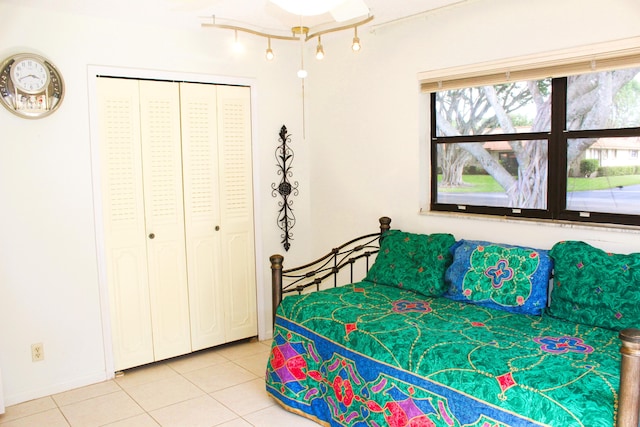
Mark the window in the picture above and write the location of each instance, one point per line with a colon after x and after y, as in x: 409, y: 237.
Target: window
x: 555, y: 148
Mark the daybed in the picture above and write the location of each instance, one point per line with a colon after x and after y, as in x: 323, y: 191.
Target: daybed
x: 458, y: 333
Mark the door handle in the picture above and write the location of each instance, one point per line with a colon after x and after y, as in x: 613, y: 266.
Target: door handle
x: 152, y: 236
x: 217, y: 228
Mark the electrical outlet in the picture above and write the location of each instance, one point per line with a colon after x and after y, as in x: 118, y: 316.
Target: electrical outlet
x: 37, y: 352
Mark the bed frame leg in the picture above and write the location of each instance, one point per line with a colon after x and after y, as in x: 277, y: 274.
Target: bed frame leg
x: 629, y: 398
x: 276, y: 282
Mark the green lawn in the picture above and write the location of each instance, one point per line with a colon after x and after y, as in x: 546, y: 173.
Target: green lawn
x: 602, y: 183
x: 475, y: 184
x: 486, y: 183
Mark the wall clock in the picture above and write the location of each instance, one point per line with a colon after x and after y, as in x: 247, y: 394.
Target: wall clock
x: 30, y: 86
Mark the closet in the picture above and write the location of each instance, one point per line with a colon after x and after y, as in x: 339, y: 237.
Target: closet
x: 176, y: 185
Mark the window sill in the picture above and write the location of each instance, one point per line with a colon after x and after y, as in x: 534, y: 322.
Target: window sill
x: 615, y: 228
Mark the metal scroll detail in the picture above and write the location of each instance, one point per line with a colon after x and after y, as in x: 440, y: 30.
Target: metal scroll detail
x: 286, y: 189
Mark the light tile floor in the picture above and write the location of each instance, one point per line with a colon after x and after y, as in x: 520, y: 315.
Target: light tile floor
x: 223, y: 386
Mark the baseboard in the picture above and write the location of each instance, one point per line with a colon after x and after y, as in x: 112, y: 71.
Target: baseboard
x: 14, y: 399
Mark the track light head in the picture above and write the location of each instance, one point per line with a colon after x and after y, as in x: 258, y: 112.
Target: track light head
x: 356, y: 46
x: 238, y: 47
x: 269, y: 54
x: 319, y: 50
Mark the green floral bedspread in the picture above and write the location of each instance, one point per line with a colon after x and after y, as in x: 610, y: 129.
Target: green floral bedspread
x: 373, y: 355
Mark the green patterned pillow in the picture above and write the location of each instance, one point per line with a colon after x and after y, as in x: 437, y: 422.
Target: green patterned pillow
x: 594, y: 287
x: 413, y: 261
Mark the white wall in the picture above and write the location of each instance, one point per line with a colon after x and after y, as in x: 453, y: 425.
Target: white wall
x: 49, y: 288
x: 370, y: 124
x: 366, y: 131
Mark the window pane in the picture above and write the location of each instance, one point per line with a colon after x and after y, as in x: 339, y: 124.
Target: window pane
x: 604, y: 175
x: 505, y: 108
x: 498, y: 173
x: 606, y: 100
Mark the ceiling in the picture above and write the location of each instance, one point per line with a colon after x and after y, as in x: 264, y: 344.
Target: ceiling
x: 258, y: 14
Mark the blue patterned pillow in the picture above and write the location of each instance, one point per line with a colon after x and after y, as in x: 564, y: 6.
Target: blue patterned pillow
x: 505, y: 277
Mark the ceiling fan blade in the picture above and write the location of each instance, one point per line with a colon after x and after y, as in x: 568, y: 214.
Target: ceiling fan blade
x: 188, y: 5
x: 307, y: 7
x: 350, y: 9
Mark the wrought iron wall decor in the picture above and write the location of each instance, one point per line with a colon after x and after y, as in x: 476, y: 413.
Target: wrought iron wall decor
x: 285, y: 188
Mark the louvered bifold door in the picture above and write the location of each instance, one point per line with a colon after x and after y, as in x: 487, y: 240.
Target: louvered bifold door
x: 236, y: 208
x: 162, y: 178
x: 124, y: 223
x: 202, y: 213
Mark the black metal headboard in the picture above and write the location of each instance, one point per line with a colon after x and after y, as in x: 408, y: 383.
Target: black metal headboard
x: 313, y: 274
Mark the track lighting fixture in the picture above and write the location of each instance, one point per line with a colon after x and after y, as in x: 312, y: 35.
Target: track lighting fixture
x: 300, y: 34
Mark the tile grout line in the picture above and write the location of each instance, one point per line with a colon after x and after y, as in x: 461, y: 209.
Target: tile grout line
x: 144, y: 411
x: 49, y: 397
x: 210, y: 394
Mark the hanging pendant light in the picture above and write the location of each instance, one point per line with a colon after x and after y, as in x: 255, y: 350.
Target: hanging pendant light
x: 301, y: 32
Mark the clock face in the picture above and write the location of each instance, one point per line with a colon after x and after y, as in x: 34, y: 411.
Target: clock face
x: 30, y: 86
x: 29, y: 75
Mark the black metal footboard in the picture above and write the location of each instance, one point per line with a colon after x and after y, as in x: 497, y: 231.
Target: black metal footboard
x: 313, y: 274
